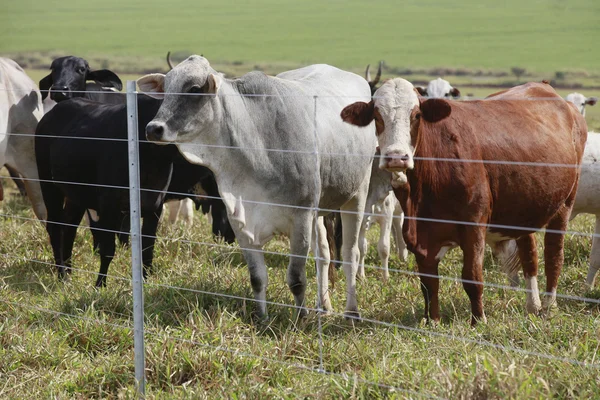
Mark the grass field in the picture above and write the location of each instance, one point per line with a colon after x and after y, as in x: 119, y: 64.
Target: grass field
x: 69, y: 340
x: 545, y: 35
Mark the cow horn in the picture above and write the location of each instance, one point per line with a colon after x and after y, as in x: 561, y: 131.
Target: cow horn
x: 378, y: 76
x: 169, y: 60
x: 368, y: 74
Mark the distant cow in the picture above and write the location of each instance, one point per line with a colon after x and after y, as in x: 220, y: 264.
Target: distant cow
x: 69, y: 148
x: 581, y: 101
x: 69, y: 78
x: 459, y: 193
x: 438, y: 89
x: 20, y: 111
x: 257, y: 133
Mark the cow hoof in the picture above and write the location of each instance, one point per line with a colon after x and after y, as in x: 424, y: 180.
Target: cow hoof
x: 352, y: 315
x: 549, y: 304
x: 478, y: 320
x: 533, y: 307
x: 301, y: 313
x: 404, y: 255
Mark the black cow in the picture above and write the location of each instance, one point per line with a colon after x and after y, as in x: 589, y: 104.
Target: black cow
x: 73, y: 158
x: 69, y: 76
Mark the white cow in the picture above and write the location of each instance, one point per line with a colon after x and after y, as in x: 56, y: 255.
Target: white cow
x: 581, y: 101
x: 20, y: 111
x: 438, y: 89
x: 273, y: 162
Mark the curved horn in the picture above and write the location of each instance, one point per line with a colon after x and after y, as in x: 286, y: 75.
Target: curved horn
x: 378, y: 76
x: 368, y: 74
x: 169, y: 60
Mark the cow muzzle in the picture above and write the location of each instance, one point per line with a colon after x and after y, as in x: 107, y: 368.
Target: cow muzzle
x: 60, y: 93
x: 396, y: 162
x: 155, y: 131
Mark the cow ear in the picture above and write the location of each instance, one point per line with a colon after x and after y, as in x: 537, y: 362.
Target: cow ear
x: 434, y: 110
x: 45, y: 85
x: 214, y: 81
x: 359, y: 113
x: 455, y: 93
x: 152, y: 85
x: 591, y: 101
x: 105, y: 78
x: 421, y: 90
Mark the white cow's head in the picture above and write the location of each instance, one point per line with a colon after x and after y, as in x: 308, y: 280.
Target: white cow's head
x: 438, y: 89
x: 397, y: 110
x: 189, y: 107
x: 581, y: 101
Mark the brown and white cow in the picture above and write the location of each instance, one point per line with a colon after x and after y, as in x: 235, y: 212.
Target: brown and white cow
x: 485, y: 171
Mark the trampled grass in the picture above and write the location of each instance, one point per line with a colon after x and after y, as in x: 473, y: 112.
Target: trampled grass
x: 69, y: 340
x: 547, y: 35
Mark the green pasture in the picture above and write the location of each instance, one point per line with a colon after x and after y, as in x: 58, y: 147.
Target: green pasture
x: 543, y: 35
x: 68, y: 340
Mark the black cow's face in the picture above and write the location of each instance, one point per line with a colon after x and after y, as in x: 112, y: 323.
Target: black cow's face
x: 68, y: 78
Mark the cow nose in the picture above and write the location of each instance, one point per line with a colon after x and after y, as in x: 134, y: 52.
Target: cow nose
x: 154, y: 131
x: 397, y: 161
x: 59, y: 93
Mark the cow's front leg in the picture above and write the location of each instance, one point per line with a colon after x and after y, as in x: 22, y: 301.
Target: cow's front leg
x: 428, y: 273
x: 528, y: 256
x: 473, y: 246
x: 258, y: 275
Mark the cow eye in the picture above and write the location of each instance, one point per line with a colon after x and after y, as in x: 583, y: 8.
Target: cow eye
x: 418, y: 116
x: 81, y: 70
x: 195, y: 89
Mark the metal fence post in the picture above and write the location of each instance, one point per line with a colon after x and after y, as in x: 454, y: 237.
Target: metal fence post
x: 136, y: 238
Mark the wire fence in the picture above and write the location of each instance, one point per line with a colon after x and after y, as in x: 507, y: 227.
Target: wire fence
x: 267, y: 205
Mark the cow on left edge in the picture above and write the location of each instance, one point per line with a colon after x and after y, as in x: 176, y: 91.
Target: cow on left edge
x: 20, y: 111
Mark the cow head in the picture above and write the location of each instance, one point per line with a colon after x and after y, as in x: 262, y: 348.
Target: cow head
x: 398, y: 112
x: 68, y: 78
x: 581, y: 101
x: 189, y: 102
x: 438, y: 89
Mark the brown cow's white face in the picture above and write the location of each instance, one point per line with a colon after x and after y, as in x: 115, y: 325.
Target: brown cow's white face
x: 394, y: 106
x: 394, y: 103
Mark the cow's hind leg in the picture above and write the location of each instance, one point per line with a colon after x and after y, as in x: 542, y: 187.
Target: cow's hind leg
x: 107, y: 225
x: 594, y: 256
x: 72, y: 217
x: 321, y: 243
x: 554, y: 254
x: 528, y: 255
x: 296, y: 273
x: 473, y: 247
x: 351, y: 223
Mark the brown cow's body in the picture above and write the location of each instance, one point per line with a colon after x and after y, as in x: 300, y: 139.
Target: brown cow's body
x: 524, y: 125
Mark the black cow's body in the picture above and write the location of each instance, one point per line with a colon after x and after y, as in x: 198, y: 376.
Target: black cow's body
x: 99, y: 170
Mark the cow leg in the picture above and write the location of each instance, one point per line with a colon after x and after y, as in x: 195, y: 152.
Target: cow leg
x: 27, y: 167
x: 186, y: 211
x: 554, y: 254
x: 173, y: 207
x: 72, y: 217
x: 300, y: 240
x: 507, y: 254
x: 397, y: 221
x: 428, y: 270
x: 594, y: 256
x: 149, y: 228
x: 54, y: 202
x: 383, y: 246
x: 106, y: 239
x: 258, y: 274
x: 362, y: 247
x: 473, y: 247
x: 320, y: 242
x: 351, y: 223
x: 528, y: 256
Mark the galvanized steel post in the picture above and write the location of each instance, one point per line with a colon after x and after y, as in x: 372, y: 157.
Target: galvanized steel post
x: 136, y: 238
